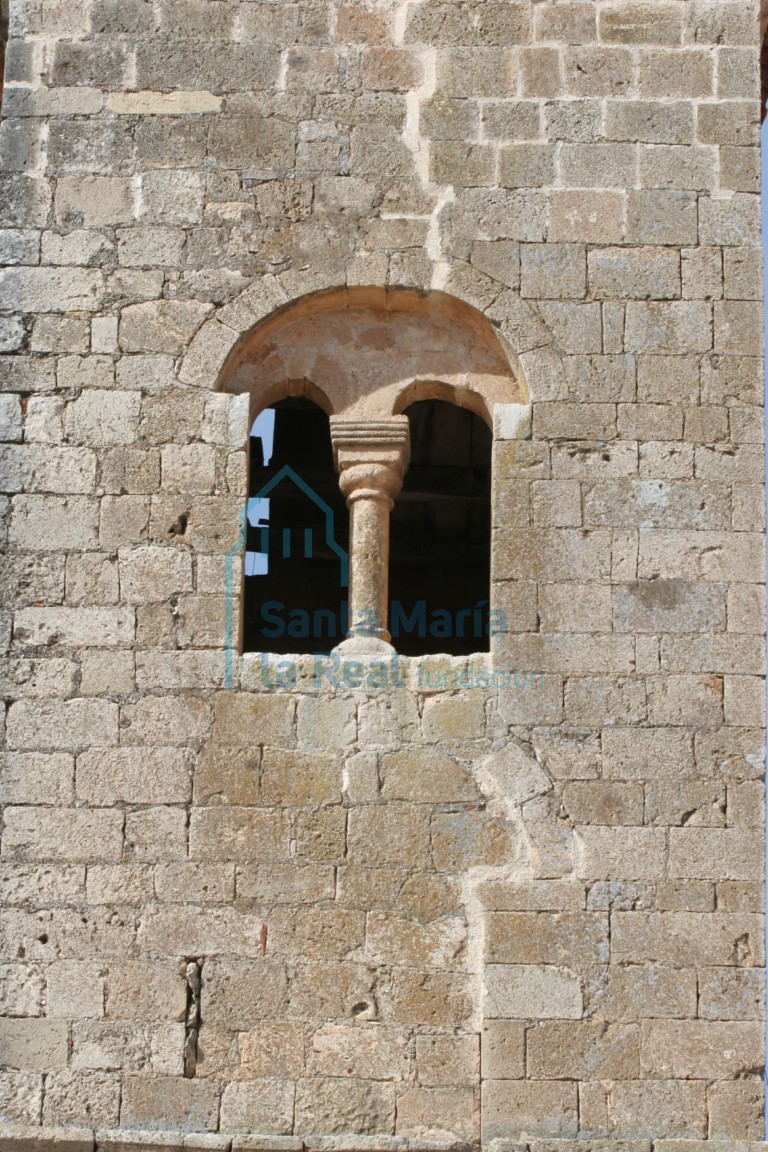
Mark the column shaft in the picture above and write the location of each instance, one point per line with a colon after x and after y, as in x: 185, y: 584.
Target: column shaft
x: 371, y: 458
x: 369, y: 565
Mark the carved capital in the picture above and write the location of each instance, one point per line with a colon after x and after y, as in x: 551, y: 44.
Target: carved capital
x: 371, y: 456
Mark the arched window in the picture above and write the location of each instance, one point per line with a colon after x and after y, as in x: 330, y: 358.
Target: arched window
x: 440, y: 535
x: 296, y: 562
x: 410, y: 382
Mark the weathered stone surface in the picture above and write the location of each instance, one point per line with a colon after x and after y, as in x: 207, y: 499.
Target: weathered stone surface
x: 632, y: 853
x: 147, y: 776
x: 70, y: 522
x: 51, y: 289
x: 239, y: 993
x: 45, y: 834
x: 239, y: 834
x: 162, y: 326
x: 731, y: 993
x: 663, y: 991
x: 169, y: 1103
x: 688, y: 937
x: 22, y: 990
x: 387, y: 835
x: 106, y: 627
x: 227, y: 776
x: 75, y: 990
x: 336, y: 1105
x: 149, y: 573
x: 73, y: 1096
x: 156, y: 834
x: 735, y: 1110
x: 502, y: 1050
x: 66, y: 724
x: 696, y: 1048
x: 540, y: 1107
x: 222, y: 931
x: 119, y: 883
x: 641, y: 273
x: 36, y: 778
x: 554, y: 846
x: 164, y: 720
x: 37, y: 1045
x: 424, y: 777
x: 527, y: 991
x: 584, y: 1050
x: 21, y: 1094
x: 677, y: 605
x: 254, y: 719
x: 455, y: 1107
x: 261, y: 1106
x: 640, y: 1106
x: 544, y: 938
x: 295, y: 778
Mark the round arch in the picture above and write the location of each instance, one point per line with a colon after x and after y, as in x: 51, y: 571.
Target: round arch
x: 494, y: 320
x: 367, y: 353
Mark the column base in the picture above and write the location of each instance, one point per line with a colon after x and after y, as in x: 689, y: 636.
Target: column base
x: 358, y: 646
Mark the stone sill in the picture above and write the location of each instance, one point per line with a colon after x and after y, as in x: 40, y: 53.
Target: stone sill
x: 31, y: 1138
x: 261, y: 671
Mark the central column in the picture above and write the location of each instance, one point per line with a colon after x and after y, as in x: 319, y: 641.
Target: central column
x: 371, y: 458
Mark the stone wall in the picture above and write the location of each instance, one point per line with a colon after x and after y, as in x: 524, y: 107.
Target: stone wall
x: 439, y: 911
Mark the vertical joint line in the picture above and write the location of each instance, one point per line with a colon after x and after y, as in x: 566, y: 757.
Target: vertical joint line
x: 192, y: 1018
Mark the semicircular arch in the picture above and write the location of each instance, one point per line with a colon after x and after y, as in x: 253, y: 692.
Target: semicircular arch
x: 372, y: 351
x: 272, y: 344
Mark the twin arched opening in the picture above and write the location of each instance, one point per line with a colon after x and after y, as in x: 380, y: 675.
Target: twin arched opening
x: 381, y: 400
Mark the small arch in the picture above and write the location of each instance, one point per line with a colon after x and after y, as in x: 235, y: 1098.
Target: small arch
x: 530, y: 349
x: 290, y: 390
x: 423, y: 390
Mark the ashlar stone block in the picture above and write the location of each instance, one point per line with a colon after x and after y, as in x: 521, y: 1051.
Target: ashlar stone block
x: 34, y: 1045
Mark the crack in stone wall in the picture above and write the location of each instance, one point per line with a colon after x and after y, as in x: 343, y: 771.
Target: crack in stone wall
x: 419, y: 145
x: 192, y: 1020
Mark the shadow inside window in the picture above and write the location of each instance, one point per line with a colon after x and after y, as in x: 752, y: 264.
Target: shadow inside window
x: 440, y: 542
x: 4, y: 13
x: 296, y: 562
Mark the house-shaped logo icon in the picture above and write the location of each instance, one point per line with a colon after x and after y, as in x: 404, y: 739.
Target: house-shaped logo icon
x: 257, y: 563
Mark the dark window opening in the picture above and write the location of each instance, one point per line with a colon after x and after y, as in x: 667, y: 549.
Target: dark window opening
x: 296, y: 561
x: 4, y: 13
x: 440, y: 542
